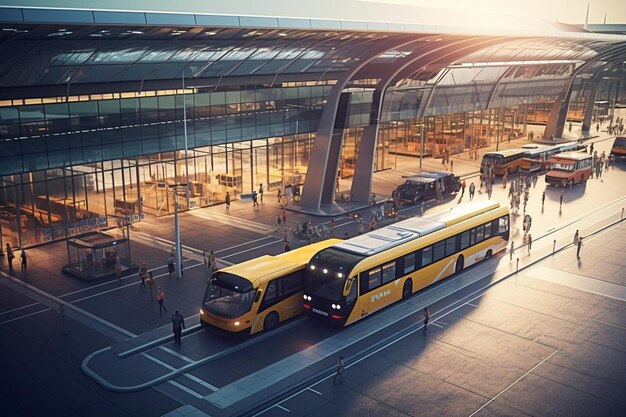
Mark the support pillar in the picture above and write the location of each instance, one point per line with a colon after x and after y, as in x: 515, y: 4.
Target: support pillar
x: 362, y: 182
x: 591, y: 101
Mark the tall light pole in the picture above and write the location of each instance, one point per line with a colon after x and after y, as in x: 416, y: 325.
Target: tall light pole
x: 179, y: 250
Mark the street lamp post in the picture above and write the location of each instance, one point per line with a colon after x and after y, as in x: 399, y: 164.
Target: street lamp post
x: 179, y: 250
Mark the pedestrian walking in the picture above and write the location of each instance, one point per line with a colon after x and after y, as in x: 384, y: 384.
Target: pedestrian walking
x: 178, y: 324
x: 279, y: 195
x: 10, y: 256
x: 578, y: 246
x: 489, y: 190
x: 205, y: 257
x: 372, y: 224
x: 426, y: 319
x: 530, y: 242
x: 462, y: 188
x: 561, y: 199
x: 143, y: 273
x: 170, y: 265
x: 576, y: 238
x: 227, y: 202
x: 451, y: 166
x: 339, y: 370
x: 286, y: 245
x: 255, y: 202
x: 591, y: 149
x: 182, y: 269
x: 160, y: 296
x: 212, y: 262
x: 472, y: 189
x: 512, y: 251
x: 24, y: 259
x: 261, y: 192
x: 543, y: 198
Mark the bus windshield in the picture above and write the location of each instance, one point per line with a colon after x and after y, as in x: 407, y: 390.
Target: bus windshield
x: 564, y: 166
x: 327, y: 284
x: 496, y: 159
x: 225, y: 301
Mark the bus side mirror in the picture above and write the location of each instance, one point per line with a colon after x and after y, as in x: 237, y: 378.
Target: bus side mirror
x: 347, y: 286
x: 257, y: 297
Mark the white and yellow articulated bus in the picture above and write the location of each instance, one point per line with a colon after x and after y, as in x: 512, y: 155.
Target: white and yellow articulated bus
x: 257, y: 294
x: 352, y: 279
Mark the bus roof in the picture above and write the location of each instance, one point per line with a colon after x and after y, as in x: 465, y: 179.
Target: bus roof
x: 267, y: 267
x: 387, y: 237
x: 572, y: 155
x: 505, y: 153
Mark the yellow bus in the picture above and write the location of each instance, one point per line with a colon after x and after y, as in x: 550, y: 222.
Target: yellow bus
x: 536, y: 159
x: 503, y: 162
x: 257, y: 294
x: 357, y: 277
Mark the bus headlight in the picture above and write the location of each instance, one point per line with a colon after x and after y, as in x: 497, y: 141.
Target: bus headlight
x: 306, y: 297
x: 312, y: 267
x: 201, y: 312
x: 236, y: 323
x: 325, y: 271
x: 334, y: 306
x: 339, y: 275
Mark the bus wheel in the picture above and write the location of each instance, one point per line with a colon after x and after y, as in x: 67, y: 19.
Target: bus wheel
x: 488, y: 254
x: 407, y: 289
x: 459, y: 264
x: 270, y: 322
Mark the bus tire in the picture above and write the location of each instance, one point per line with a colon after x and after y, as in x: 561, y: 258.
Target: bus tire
x: 407, y: 290
x: 270, y: 322
x: 459, y: 264
x: 488, y: 254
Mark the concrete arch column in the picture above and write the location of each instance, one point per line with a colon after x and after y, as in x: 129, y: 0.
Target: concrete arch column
x: 362, y: 183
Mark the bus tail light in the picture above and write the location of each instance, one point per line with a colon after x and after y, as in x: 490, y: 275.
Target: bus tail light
x: 337, y: 317
x: 308, y: 307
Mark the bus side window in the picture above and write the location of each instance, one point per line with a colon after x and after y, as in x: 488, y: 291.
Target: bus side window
x: 450, y: 245
x: 438, y: 251
x: 409, y: 263
x: 487, y: 230
x: 472, y: 237
x: 272, y: 292
x: 257, y: 296
x: 374, y: 278
x: 427, y: 256
x: 465, y: 239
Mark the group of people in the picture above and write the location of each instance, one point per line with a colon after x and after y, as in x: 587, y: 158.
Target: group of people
x: 11, y: 256
x: 601, y: 163
x: 616, y: 128
x: 520, y: 189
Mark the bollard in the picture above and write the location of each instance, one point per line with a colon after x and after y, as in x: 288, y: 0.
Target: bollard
x: 554, y: 246
x: 622, y: 212
x: 517, y: 265
x: 62, y: 314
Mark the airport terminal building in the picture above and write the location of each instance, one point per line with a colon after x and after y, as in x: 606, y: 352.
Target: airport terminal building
x: 111, y: 111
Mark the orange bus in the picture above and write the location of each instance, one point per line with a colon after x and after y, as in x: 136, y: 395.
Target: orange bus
x: 619, y: 147
x: 536, y: 159
x: 503, y: 162
x: 569, y: 168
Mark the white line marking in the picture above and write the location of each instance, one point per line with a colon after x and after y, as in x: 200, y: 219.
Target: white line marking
x: 470, y: 304
x: 609, y: 324
x: 19, y: 308
x: 436, y: 324
x: 187, y: 390
x: 317, y: 392
x: 514, y: 382
x: 202, y: 382
x: 160, y: 362
x: 23, y: 317
x: 248, y: 250
x: 178, y: 355
x: 283, y: 408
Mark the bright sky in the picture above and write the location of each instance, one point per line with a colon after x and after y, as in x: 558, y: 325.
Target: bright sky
x: 567, y: 11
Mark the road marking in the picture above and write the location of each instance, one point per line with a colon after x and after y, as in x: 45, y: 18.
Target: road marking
x: 187, y: 390
x: 240, y: 223
x: 592, y: 285
x: 609, y: 324
x: 470, y: 304
x: 19, y: 308
x: 201, y: 382
x: 181, y: 356
x: 283, y: 408
x: 248, y: 250
x: 437, y: 325
x: 24, y: 316
x: 317, y: 392
x: 160, y: 362
x: 514, y: 382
